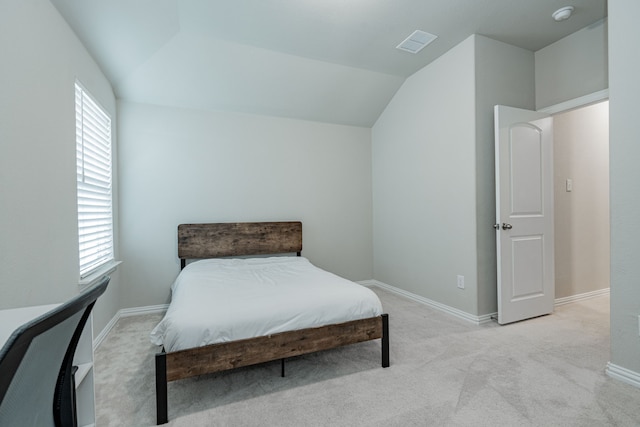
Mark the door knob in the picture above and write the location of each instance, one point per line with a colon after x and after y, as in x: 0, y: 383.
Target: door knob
x: 506, y: 226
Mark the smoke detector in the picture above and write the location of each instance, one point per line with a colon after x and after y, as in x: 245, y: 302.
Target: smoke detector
x: 416, y: 41
x: 563, y: 13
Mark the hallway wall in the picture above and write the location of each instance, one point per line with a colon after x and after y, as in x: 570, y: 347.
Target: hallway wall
x: 581, y: 153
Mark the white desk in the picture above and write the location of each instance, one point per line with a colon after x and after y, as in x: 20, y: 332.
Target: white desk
x: 13, y: 318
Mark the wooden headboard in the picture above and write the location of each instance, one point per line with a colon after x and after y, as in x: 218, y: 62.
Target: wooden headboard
x: 198, y: 241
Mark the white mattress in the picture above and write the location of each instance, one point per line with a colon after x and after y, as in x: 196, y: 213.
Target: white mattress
x: 220, y: 300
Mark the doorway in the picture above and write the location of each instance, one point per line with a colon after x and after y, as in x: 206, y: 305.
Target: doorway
x: 581, y: 199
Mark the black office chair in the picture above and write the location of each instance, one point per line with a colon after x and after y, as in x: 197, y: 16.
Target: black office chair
x: 36, y: 365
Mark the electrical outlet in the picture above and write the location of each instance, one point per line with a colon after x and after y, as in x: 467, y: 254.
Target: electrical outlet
x: 460, y: 282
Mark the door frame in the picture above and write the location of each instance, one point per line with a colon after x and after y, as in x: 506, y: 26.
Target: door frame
x: 571, y: 104
x: 562, y: 107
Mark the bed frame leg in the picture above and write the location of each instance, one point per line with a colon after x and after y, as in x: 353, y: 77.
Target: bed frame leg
x: 282, y: 366
x: 161, y: 388
x: 385, y: 340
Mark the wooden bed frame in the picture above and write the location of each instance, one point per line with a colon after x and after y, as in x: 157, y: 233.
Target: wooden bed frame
x: 199, y: 241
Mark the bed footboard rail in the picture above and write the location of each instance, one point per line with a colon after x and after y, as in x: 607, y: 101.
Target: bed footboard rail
x: 229, y: 355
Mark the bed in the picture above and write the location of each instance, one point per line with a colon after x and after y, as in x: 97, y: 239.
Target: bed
x: 316, y: 310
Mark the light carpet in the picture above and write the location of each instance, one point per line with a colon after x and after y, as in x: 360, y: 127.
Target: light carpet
x: 547, y: 371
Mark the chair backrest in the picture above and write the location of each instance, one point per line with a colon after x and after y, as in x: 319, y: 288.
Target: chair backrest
x: 36, y: 363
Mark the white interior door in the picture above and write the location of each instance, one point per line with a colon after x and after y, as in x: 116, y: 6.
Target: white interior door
x: 524, y: 213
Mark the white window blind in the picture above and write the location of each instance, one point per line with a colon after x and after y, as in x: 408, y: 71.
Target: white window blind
x: 93, y: 160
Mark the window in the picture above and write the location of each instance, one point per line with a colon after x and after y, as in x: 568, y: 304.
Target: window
x: 93, y: 161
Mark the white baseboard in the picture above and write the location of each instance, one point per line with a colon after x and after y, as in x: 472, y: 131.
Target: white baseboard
x: 367, y: 283
x: 150, y: 309
x: 126, y: 312
x: 580, y: 297
x: 477, y: 320
x: 470, y: 317
x: 623, y: 374
x: 105, y: 331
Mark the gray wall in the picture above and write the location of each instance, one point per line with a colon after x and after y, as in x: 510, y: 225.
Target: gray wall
x: 504, y: 75
x: 183, y: 166
x: 41, y: 57
x: 424, y: 213
x: 433, y: 175
x: 573, y: 66
x: 581, y: 153
x: 624, y: 69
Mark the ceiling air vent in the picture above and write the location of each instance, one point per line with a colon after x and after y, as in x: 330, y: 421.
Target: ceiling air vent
x: 416, y: 41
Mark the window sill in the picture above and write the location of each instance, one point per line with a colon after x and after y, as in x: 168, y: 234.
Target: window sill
x: 108, y: 268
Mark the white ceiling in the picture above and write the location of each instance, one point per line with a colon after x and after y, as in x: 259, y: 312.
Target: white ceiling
x: 325, y: 60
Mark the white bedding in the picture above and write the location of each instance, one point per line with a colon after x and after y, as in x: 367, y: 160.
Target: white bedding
x: 220, y: 300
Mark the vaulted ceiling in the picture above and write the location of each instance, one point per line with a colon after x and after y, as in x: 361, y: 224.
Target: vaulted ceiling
x: 324, y: 60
